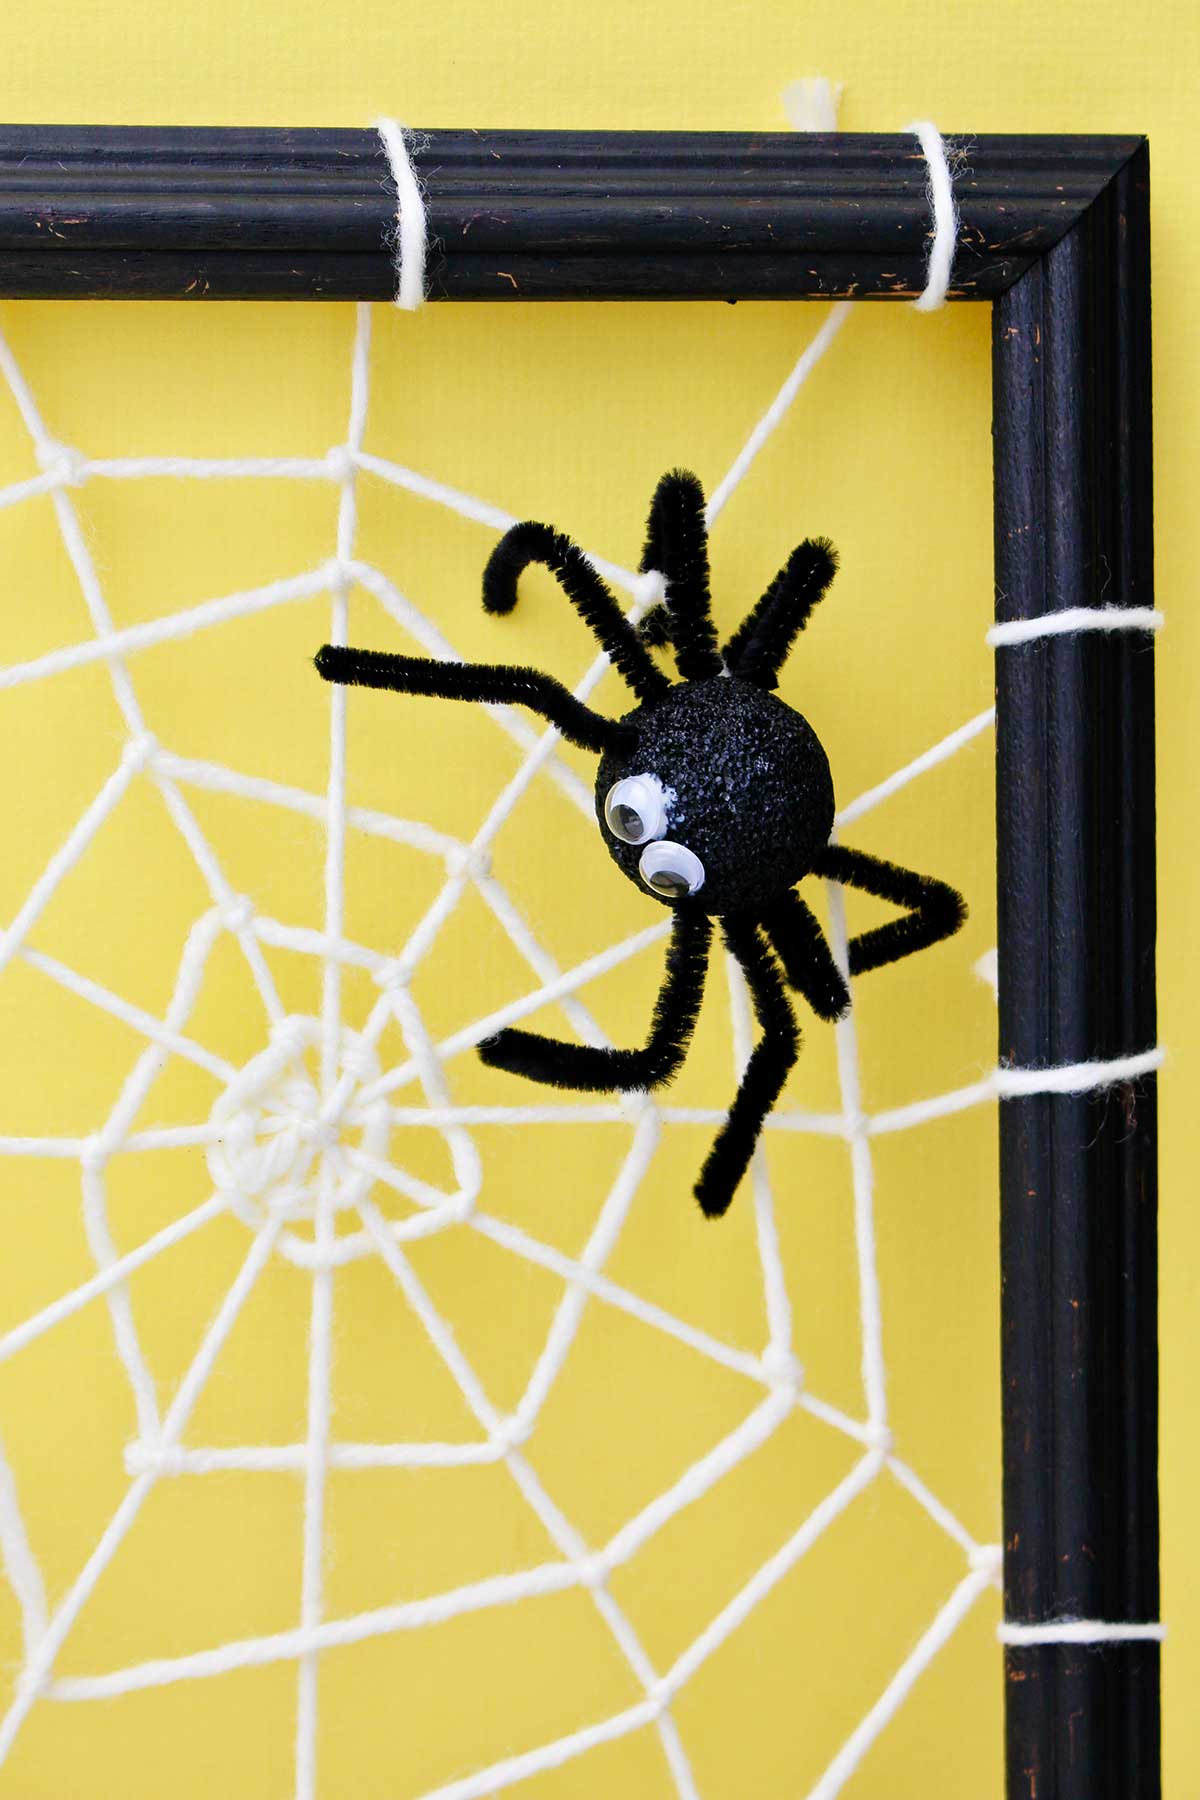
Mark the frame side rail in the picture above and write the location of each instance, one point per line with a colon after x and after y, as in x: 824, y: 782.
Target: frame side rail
x: 1076, y: 880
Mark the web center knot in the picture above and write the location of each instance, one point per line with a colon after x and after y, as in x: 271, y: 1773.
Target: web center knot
x: 281, y: 1142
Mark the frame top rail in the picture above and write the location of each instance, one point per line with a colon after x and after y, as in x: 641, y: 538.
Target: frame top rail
x: 110, y: 212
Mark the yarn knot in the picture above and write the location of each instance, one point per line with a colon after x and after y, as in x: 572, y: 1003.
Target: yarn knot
x: 359, y: 1060
x: 140, y: 749
x: 659, y: 1697
x: 987, y: 1559
x: 340, y: 463
x: 67, y: 465
x: 636, y: 1106
x: 854, y: 1123
x: 392, y: 974
x: 593, y: 1572
x: 95, y: 1154
x: 237, y: 914
x: 509, y: 1434
x: 783, y: 1370
x: 459, y: 1210
x: 465, y: 860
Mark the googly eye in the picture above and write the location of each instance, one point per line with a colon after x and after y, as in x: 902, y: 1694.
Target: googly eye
x: 635, y: 809
x: 671, y: 870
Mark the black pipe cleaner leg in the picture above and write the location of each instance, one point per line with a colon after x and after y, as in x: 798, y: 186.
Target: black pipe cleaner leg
x: 764, y: 1075
x: 760, y: 646
x: 566, y: 1065
x: 935, y: 910
x: 533, y: 543
x: 491, y: 683
x: 808, y: 964
x: 677, y: 546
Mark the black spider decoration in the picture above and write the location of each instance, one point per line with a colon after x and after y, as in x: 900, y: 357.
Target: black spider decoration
x: 712, y: 793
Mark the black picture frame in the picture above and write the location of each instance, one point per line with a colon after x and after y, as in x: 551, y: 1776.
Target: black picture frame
x: 1054, y: 232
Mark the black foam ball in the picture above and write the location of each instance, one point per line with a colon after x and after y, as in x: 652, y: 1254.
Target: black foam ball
x: 747, y: 789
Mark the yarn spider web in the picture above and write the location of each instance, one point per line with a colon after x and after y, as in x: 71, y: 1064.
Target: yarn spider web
x: 301, y: 1147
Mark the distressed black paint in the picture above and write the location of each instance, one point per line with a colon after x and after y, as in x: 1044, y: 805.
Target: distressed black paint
x: 1075, y: 852
x: 144, y: 213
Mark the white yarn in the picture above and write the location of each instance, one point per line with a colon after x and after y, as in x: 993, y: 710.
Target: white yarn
x: 921, y: 765
x: 409, y: 238
x: 1080, y: 1631
x: 19, y: 1564
x: 38, y: 1667
x: 1077, y: 1078
x: 778, y: 410
x: 987, y: 967
x: 862, y: 1173
x: 945, y: 215
x: 901, y: 1685
x: 780, y: 1364
x: 352, y: 1094
x: 1075, y: 618
x: 811, y: 103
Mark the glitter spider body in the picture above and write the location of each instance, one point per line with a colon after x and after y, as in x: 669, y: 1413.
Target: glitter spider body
x: 712, y: 794
x: 746, y: 788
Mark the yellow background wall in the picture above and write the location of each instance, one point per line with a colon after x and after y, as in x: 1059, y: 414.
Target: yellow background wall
x: 567, y: 413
